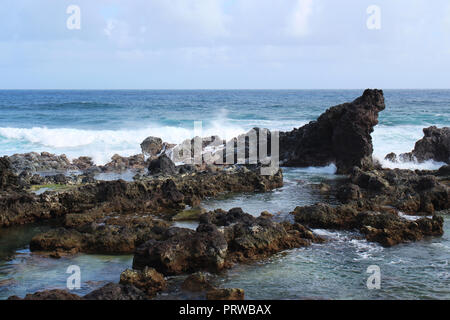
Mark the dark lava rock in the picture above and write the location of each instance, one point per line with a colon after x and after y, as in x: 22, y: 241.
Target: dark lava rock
x: 92, y: 233
x: 444, y: 171
x: 435, y: 145
x: 349, y: 192
x: 221, y: 239
x: 184, y: 253
x: 162, y: 165
x: 114, y: 291
x: 386, y: 228
x: 152, y: 146
x: 197, y: 282
x: 44, y: 161
x: 408, y: 191
x: 49, y: 295
x: 341, y: 135
x: 83, y: 163
x: 149, y: 195
x: 121, y: 164
x: 8, y: 179
x: 148, y: 280
x: 392, y: 157
x: 225, y: 294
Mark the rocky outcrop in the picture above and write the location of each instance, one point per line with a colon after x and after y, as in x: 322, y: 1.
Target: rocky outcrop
x: 374, y: 203
x: 411, y: 192
x: 225, y: 294
x: 56, y: 294
x: 150, y: 195
x: 40, y: 162
x: 152, y: 146
x: 99, y: 233
x: 162, y: 165
x: 221, y: 239
x: 114, y: 291
x: 384, y: 227
x: 8, y: 179
x: 435, y: 145
x: 444, y: 171
x: 118, y: 163
x: 197, y: 282
x: 83, y: 163
x: 341, y: 135
x: 184, y: 251
x: 148, y: 280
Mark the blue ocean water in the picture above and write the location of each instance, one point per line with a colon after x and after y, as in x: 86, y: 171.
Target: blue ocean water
x: 102, y: 123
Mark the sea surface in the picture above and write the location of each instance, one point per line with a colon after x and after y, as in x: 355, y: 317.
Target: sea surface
x: 102, y: 123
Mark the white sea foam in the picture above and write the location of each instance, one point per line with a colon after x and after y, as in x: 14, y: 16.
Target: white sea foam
x: 325, y: 233
x: 399, y: 139
x: 412, y: 218
x: 327, y: 170
x: 101, y: 145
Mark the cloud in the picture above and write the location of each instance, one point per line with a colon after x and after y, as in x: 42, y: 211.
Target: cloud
x: 299, y: 21
x: 223, y: 43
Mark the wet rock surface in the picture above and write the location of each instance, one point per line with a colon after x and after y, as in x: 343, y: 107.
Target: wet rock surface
x: 341, y: 135
x: 221, y: 239
x: 49, y: 295
x: 41, y: 162
x: 149, y: 195
x: 435, y: 145
x: 162, y: 165
x: 114, y: 291
x: 197, y: 282
x: 152, y: 146
x: 99, y: 234
x: 375, y: 201
x: 225, y: 294
x: 148, y: 280
x: 8, y: 180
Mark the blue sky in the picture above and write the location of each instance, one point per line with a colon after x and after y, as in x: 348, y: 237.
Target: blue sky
x: 227, y: 44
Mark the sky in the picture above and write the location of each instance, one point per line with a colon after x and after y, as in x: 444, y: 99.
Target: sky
x: 225, y: 44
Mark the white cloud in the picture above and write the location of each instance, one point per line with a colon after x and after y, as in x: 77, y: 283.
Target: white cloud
x: 298, y: 24
x: 224, y: 43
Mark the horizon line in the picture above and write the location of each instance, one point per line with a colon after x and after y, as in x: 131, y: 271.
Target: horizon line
x: 208, y: 89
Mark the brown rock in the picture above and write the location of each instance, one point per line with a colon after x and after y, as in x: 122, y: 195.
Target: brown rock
x: 197, y: 282
x: 49, y: 295
x: 225, y: 294
x: 148, y: 280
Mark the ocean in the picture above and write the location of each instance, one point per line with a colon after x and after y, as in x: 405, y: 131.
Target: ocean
x: 102, y: 123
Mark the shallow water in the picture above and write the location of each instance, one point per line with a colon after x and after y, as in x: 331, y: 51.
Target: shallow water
x: 333, y: 270
x: 298, y: 190
x: 337, y: 270
x: 23, y: 272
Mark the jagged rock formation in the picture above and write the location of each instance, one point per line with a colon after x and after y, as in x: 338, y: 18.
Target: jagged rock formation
x: 8, y: 180
x: 375, y: 202
x: 341, y: 135
x: 222, y: 238
x: 435, y: 145
x: 145, y: 196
